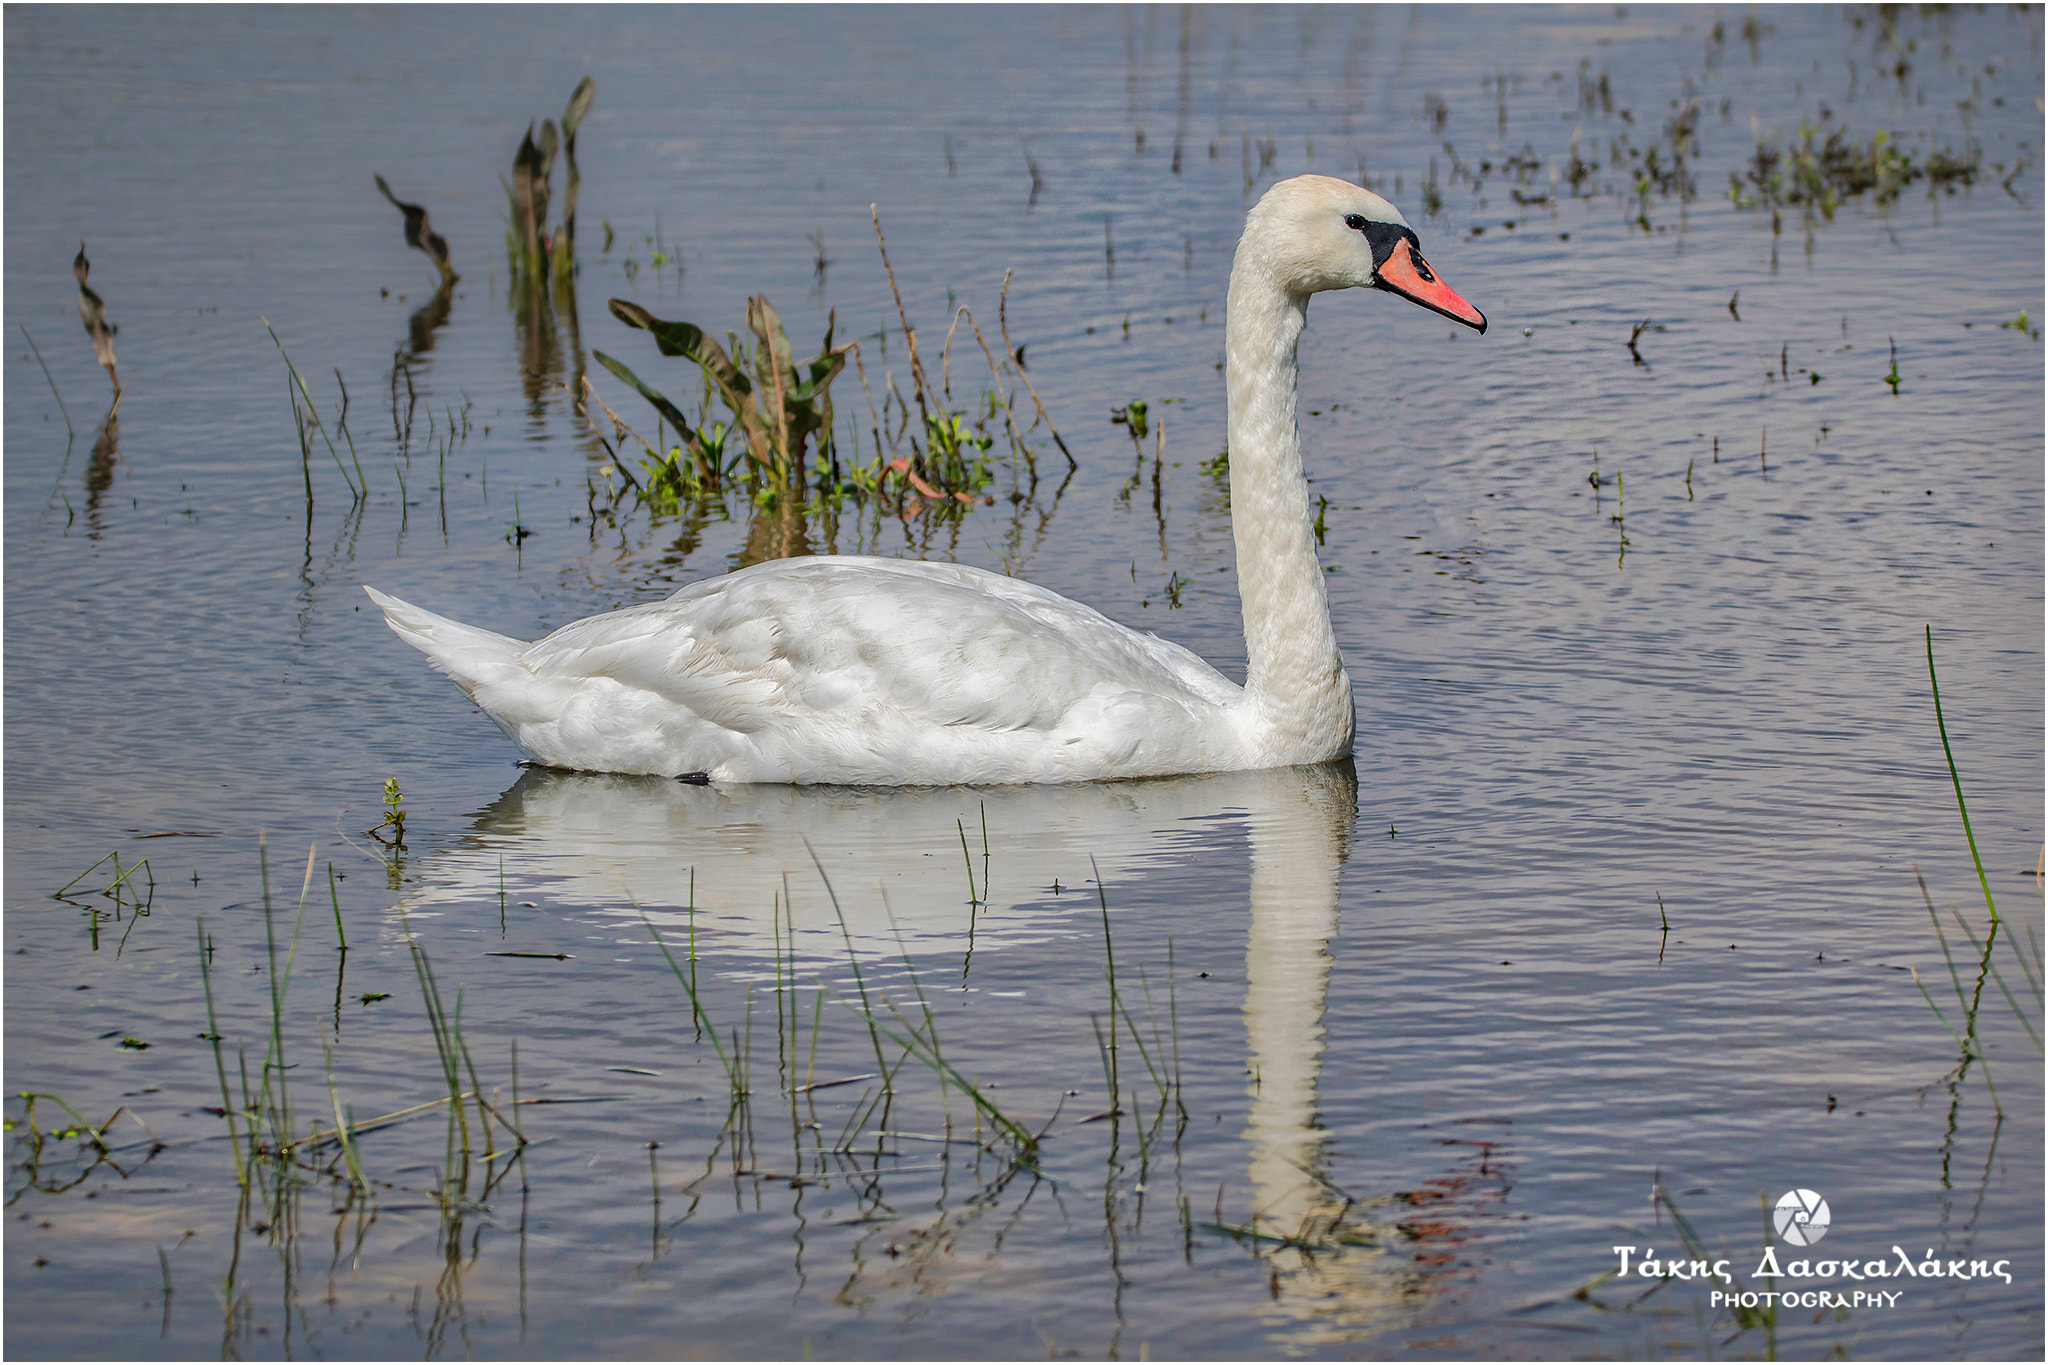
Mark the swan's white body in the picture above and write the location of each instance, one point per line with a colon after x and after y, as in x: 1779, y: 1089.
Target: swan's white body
x: 899, y: 672
x: 855, y: 670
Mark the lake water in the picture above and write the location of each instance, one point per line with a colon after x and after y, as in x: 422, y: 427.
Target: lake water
x: 1607, y: 937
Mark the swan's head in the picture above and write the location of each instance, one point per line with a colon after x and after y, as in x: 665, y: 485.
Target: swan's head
x: 1315, y: 232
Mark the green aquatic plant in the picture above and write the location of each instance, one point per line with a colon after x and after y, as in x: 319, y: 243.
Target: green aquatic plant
x: 80, y: 1126
x: 1825, y: 172
x: 775, y: 441
x: 949, y: 438
x: 113, y: 888
x: 535, y: 250
x: 2028, y: 962
x: 2019, y: 324
x: 394, y: 820
x: 776, y: 407
x: 306, y: 418
x: 762, y: 430
x: 69, y: 1166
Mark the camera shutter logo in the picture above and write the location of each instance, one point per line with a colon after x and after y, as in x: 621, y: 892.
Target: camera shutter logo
x: 1801, y: 1217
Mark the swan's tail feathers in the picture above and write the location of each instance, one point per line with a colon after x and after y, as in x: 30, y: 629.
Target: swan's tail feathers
x: 469, y: 656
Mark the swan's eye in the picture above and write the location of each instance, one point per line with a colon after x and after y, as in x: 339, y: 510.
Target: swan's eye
x: 1356, y: 222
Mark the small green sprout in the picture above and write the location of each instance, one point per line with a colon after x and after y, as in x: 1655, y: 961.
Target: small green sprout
x: 394, y: 816
x: 1132, y: 415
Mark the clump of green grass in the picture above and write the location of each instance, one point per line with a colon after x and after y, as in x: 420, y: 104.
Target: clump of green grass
x: 1824, y: 171
x: 306, y: 418
x: 1663, y: 168
x: 52, y: 1160
x: 275, y: 1152
x: 774, y: 406
x: 131, y: 897
x: 80, y: 1127
x: 121, y: 878
x: 729, y: 1065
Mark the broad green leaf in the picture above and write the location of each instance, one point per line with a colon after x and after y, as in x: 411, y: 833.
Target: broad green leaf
x: 824, y: 369
x: 688, y: 341
x: 765, y: 324
x: 568, y: 232
x: 661, y: 403
x: 550, y: 143
x: 529, y: 198
x: 579, y: 105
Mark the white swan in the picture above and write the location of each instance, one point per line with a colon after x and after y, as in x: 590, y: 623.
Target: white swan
x: 900, y: 673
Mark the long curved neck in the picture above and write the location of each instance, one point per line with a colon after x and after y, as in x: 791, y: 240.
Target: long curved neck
x: 1294, y: 677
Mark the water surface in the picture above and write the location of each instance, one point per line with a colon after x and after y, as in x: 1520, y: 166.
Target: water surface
x: 1402, y: 1050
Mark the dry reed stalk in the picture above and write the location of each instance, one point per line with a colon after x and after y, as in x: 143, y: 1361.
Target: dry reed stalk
x: 862, y: 370
x: 619, y: 427
x: 946, y: 356
x: 917, y: 375
x: 901, y: 407
x: 1003, y: 319
x: 1009, y: 419
x: 52, y: 383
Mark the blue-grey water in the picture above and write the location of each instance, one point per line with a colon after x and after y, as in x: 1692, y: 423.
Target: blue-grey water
x: 1611, y: 923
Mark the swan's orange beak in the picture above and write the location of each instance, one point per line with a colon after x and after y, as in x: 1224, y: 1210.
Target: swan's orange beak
x: 1405, y: 273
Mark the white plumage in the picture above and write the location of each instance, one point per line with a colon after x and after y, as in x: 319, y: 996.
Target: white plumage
x: 856, y: 670
x: 900, y: 672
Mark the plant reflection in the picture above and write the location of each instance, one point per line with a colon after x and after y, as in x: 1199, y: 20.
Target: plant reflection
x: 426, y: 321
x: 723, y: 873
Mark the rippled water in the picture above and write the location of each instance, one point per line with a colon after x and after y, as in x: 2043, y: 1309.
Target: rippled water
x: 1403, y: 1050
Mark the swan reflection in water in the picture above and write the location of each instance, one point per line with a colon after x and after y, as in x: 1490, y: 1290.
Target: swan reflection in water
x: 732, y: 858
